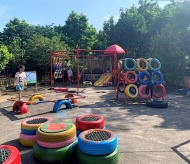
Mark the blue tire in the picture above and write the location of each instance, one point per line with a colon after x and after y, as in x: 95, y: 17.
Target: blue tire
x: 100, y: 146
x: 141, y: 76
x: 28, y: 132
x: 125, y: 64
x: 59, y: 103
x: 150, y: 63
x: 161, y: 77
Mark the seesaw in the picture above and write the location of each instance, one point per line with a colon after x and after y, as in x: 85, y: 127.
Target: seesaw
x: 21, y: 106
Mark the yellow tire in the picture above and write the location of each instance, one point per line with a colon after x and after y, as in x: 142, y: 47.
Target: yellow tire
x: 57, y: 136
x: 128, y: 93
x: 29, y: 125
x: 35, y: 97
x: 142, y: 64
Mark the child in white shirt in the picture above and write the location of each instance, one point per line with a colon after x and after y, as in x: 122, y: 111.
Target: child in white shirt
x: 20, y: 81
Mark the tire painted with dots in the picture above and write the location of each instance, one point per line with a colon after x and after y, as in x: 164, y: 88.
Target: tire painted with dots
x: 34, y: 122
x: 89, y: 121
x: 9, y: 154
x: 112, y: 158
x: 97, y: 142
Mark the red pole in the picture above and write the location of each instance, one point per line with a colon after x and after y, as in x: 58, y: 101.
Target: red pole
x: 78, y: 70
x: 115, y: 70
x: 51, y: 70
x: 91, y: 69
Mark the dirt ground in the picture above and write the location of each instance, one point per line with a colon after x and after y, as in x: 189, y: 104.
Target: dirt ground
x: 146, y: 135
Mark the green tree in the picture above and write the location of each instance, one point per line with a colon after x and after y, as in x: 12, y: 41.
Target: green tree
x: 5, y: 56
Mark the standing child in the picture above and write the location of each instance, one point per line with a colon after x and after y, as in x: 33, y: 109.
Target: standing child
x: 20, y: 81
x: 150, y: 85
x: 70, y: 74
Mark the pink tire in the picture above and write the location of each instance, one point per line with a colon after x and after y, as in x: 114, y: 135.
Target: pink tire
x: 163, y: 91
x: 27, y: 140
x: 142, y: 92
x: 56, y: 144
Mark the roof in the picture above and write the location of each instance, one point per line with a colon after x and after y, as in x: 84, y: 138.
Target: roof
x: 114, y: 49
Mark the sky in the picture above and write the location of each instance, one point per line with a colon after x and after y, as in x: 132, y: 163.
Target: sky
x: 46, y: 12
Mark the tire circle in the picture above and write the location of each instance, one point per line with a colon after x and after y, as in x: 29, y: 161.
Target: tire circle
x: 161, y: 77
x: 163, y: 91
x: 97, y: 141
x: 126, y: 66
x: 34, y: 122
x: 140, y: 77
x: 127, y: 75
x: 89, y: 121
x: 142, y: 92
x: 154, y: 64
x: 128, y: 93
x: 140, y: 63
x: 9, y: 155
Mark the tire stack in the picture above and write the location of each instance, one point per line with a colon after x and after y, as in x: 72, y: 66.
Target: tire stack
x: 9, y: 155
x: 55, y: 143
x: 89, y: 121
x: 28, y: 129
x: 97, y: 146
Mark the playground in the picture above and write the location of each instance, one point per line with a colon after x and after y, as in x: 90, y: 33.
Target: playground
x: 110, y: 119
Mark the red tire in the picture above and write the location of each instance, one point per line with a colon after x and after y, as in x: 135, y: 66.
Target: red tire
x: 60, y: 89
x: 73, y: 100
x: 20, y: 107
x: 163, y: 91
x: 10, y: 154
x: 90, y: 121
x: 127, y: 79
x: 142, y: 92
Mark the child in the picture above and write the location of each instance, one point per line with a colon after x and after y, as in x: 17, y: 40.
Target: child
x: 150, y: 85
x: 20, y: 81
x: 108, y: 70
x: 70, y: 74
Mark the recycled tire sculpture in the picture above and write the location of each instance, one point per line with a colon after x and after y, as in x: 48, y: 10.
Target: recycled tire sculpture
x: 9, y: 155
x: 89, y: 121
x: 128, y: 93
x: 126, y: 64
x: 59, y: 103
x: 35, y: 97
x: 112, y: 158
x: 56, y: 155
x: 97, y: 142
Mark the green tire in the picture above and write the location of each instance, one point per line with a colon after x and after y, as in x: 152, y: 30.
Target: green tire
x: 112, y: 158
x: 126, y: 62
x: 57, y: 154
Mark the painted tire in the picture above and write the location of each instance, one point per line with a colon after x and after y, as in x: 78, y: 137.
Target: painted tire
x: 140, y: 77
x: 87, y: 83
x: 56, y: 144
x: 66, y: 132
x: 73, y: 100
x: 127, y: 79
x: 121, y: 85
x: 52, y: 155
x: 125, y: 64
x: 20, y: 107
x: 61, y: 89
x: 35, y: 97
x: 128, y: 93
x: 97, y: 142
x: 112, y: 158
x: 27, y: 140
x: 9, y: 155
x: 142, y: 92
x: 161, y: 77
x: 163, y: 91
x: 34, y: 122
x: 59, y: 103
x: 89, y: 121
x: 140, y: 63
x: 151, y: 62
x: 28, y: 132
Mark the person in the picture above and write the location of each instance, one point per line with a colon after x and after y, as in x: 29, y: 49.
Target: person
x: 20, y: 81
x: 108, y: 70
x: 150, y: 85
x: 70, y: 74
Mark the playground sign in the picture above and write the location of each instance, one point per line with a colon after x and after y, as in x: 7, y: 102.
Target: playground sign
x: 31, y: 77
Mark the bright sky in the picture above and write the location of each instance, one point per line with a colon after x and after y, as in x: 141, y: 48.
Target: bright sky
x: 46, y: 12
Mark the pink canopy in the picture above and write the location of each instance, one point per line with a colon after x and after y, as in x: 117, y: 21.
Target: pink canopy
x: 114, y: 48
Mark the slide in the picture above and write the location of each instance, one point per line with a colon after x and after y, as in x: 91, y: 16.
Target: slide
x: 106, y: 77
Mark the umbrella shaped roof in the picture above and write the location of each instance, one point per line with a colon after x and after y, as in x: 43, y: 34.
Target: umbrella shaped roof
x: 114, y: 48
